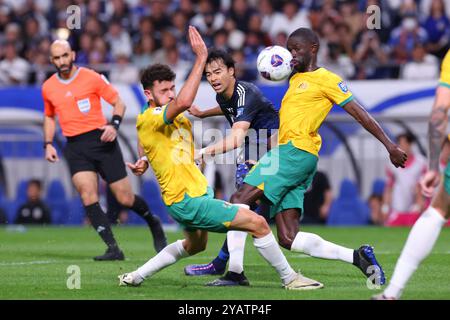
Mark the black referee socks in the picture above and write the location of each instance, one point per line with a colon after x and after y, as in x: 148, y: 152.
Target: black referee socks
x: 101, y: 224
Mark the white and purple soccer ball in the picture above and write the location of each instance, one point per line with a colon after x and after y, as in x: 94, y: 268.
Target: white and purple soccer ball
x: 274, y: 63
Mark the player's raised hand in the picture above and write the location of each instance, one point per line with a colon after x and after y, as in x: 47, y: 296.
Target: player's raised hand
x: 398, y: 156
x: 429, y: 182
x: 50, y: 154
x: 139, y: 167
x: 197, y: 43
x: 109, y: 133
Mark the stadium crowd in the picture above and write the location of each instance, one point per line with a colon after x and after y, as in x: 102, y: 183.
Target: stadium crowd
x: 120, y: 37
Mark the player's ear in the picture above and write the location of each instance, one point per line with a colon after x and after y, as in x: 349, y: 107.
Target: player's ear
x: 148, y: 94
x: 231, y: 71
x: 73, y: 55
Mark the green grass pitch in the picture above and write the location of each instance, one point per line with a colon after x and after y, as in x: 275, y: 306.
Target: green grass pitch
x: 34, y: 265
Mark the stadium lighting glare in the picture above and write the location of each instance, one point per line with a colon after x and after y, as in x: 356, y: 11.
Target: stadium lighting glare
x: 62, y: 33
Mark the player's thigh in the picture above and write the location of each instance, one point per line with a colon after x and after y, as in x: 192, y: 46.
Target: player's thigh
x: 86, y: 183
x: 195, y: 241
x: 249, y: 221
x: 204, y: 213
x: 110, y: 162
x: 280, y: 170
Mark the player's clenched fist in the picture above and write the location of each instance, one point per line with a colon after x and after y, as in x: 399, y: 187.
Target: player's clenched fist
x: 139, y: 167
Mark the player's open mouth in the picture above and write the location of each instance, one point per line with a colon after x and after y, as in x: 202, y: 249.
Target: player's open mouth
x: 216, y: 86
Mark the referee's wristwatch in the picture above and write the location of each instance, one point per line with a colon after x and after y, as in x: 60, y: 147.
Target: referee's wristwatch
x: 46, y: 143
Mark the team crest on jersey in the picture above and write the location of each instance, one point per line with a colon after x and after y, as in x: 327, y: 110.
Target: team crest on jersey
x: 239, y: 112
x: 343, y: 86
x: 157, y: 110
x: 84, y: 105
x: 303, y: 85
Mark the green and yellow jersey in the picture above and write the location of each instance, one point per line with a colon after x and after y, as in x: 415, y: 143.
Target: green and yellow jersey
x: 305, y: 105
x: 169, y: 147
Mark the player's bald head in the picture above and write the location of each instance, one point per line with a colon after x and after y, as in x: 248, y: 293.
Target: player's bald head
x: 59, y: 46
x: 305, y: 36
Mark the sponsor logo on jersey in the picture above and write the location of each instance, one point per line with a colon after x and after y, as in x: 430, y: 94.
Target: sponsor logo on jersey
x: 343, y: 86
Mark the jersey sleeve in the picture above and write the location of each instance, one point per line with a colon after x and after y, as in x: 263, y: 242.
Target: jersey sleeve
x: 445, y: 71
x: 153, y: 118
x: 336, y: 90
x: 49, y: 109
x: 105, y: 89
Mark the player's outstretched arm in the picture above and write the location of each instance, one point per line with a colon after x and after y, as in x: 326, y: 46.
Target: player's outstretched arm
x: 212, y: 112
x: 398, y: 156
x: 49, y: 133
x: 189, y: 90
x: 437, y: 125
x: 234, y: 140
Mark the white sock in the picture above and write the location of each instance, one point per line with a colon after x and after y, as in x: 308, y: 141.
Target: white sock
x: 315, y: 246
x: 421, y: 240
x: 268, y: 247
x: 167, y: 256
x: 236, y: 246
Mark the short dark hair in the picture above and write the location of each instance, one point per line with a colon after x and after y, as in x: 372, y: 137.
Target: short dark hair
x: 218, y: 54
x: 156, y: 72
x: 36, y: 182
x: 408, y: 136
x: 305, y: 34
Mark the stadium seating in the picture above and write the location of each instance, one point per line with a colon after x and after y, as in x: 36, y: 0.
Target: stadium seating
x: 57, y: 202
x: 348, y: 209
x: 76, y: 212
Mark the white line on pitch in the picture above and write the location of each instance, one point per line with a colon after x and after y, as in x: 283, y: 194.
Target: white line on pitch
x: 26, y: 263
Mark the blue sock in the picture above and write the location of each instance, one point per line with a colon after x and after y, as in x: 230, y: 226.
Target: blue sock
x: 220, y: 262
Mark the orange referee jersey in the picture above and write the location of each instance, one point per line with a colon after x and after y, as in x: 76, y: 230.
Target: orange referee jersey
x: 76, y: 101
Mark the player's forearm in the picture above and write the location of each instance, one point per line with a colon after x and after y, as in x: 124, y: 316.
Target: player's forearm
x: 369, y: 123
x: 49, y: 128
x: 231, y: 142
x: 436, y: 133
x: 140, y: 149
x: 217, y: 111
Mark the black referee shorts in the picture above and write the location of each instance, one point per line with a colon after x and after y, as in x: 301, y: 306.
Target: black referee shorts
x: 86, y: 152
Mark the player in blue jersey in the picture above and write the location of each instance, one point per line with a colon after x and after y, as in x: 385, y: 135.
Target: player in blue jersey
x: 245, y: 108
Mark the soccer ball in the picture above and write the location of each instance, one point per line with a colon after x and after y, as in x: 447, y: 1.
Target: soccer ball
x: 274, y: 63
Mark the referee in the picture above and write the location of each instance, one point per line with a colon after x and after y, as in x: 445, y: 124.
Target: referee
x: 73, y: 94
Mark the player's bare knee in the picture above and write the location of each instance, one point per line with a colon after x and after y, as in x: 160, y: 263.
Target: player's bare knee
x: 126, y: 199
x: 261, y: 227
x: 88, y: 197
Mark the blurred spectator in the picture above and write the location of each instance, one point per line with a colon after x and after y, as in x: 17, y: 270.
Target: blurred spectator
x: 370, y: 57
x: 13, y: 35
x: 179, y: 66
x: 405, y: 37
x: 118, y: 39
x: 82, y: 56
x: 255, y: 25
x: 292, y: 18
x: 402, y: 199
x: 348, y: 10
x: 143, y: 55
x: 268, y: 14
x: 123, y: 71
x: 338, y: 62
x: 220, y: 39
x: 242, y: 71
x: 375, y: 203
x: 253, y: 46
x: 437, y: 26
x: 13, y: 69
x: 187, y: 8
x: 180, y: 26
x: 240, y: 13
x: 118, y: 11
x: 94, y: 27
x: 423, y: 65
x: 159, y: 14
x: 207, y: 20
x: 34, y: 210
x: 168, y: 41
x: 318, y: 200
